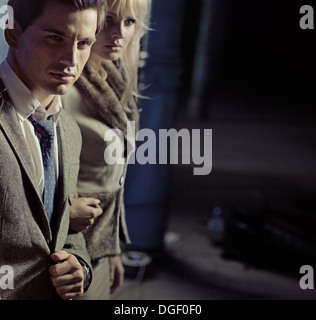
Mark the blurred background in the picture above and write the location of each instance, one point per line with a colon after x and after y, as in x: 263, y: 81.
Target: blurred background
x: 245, y: 70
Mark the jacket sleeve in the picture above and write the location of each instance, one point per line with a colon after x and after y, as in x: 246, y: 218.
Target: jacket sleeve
x: 74, y: 242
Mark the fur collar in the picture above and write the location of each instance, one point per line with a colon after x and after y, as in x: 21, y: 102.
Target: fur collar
x: 105, y: 95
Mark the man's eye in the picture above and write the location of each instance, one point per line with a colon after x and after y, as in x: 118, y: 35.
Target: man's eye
x: 55, y: 38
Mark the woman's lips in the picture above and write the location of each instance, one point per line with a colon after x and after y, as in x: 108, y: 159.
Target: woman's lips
x: 63, y: 77
x: 114, y: 48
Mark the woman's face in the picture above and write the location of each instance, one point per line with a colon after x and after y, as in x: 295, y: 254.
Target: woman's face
x: 115, y: 37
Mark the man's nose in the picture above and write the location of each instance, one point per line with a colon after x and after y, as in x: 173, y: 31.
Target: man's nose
x: 69, y: 57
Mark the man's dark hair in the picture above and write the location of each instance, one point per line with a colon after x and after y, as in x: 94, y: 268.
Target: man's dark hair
x: 26, y: 11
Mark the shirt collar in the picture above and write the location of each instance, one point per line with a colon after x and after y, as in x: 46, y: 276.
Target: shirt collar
x: 24, y: 102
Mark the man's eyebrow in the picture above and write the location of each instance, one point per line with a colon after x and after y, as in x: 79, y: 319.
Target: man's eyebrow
x: 56, y: 32
x: 60, y: 33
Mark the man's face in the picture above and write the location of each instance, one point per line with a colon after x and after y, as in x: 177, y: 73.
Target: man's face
x: 51, y: 53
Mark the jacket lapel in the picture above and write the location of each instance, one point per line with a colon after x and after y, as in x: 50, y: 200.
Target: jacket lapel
x: 12, y: 131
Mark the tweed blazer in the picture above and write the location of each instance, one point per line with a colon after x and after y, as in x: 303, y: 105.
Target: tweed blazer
x: 26, y: 238
x: 95, y: 105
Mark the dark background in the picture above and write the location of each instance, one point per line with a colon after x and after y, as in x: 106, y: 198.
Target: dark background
x: 257, y: 52
x: 246, y: 70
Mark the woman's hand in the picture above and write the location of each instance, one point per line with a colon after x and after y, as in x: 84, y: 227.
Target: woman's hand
x: 116, y: 273
x: 83, y: 212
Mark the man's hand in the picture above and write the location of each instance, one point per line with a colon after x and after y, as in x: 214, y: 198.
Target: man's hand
x: 116, y: 273
x: 67, y: 276
x: 83, y: 212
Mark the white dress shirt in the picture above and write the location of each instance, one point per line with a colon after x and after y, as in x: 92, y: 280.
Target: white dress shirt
x: 26, y: 104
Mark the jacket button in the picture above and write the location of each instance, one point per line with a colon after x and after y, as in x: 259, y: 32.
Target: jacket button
x: 122, y: 180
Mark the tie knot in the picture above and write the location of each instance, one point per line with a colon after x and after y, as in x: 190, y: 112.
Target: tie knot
x: 44, y: 127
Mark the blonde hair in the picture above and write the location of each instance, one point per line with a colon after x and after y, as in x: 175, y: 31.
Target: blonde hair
x: 129, y: 62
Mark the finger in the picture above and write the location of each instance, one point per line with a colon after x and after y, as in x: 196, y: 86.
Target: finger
x: 97, y: 211
x: 81, y: 225
x: 92, y: 201
x: 118, y: 280
x: 70, y: 265
x: 70, y: 291
x: 92, y: 213
x: 60, y: 255
x: 113, y: 287
x: 68, y: 279
x: 117, y: 283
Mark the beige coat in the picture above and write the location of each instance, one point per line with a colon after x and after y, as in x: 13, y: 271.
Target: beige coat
x: 95, y: 105
x: 26, y: 238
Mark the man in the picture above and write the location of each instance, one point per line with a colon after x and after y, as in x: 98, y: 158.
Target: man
x: 48, y: 48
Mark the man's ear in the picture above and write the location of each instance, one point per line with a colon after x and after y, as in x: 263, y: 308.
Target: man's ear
x: 12, y: 35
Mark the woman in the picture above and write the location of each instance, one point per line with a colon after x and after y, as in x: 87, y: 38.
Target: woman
x: 103, y: 99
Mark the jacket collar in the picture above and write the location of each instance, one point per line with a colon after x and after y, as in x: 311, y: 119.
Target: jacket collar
x: 104, y: 96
